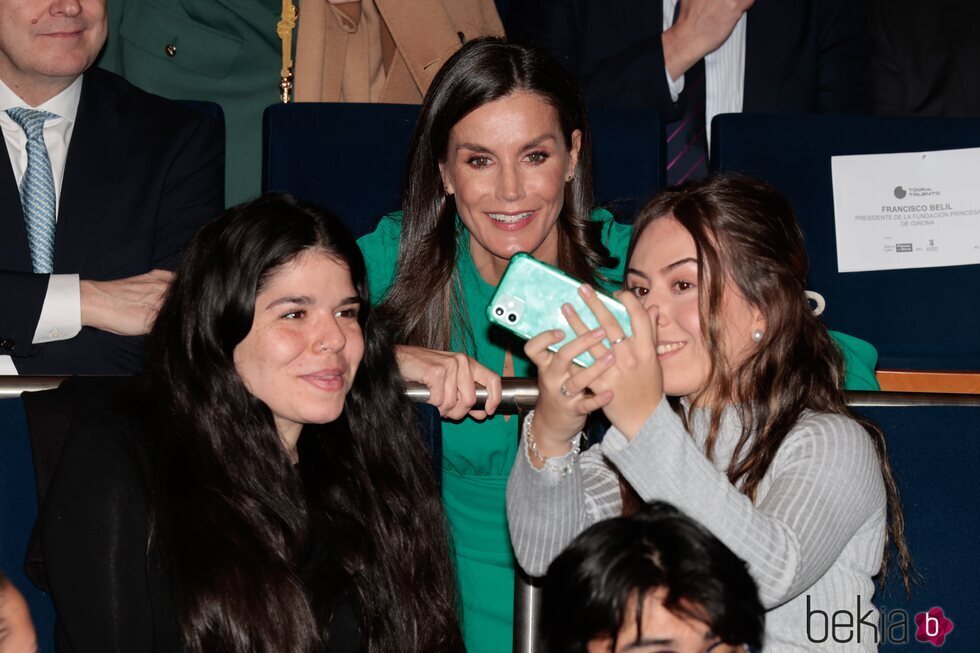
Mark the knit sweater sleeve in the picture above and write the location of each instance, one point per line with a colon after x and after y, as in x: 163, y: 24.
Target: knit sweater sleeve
x: 548, y: 507
x: 823, y: 485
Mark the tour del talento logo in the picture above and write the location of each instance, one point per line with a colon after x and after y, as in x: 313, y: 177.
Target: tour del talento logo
x: 900, y: 192
x: 882, y: 626
x: 932, y: 626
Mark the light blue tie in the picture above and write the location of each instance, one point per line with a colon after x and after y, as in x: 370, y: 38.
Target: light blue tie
x: 37, y: 189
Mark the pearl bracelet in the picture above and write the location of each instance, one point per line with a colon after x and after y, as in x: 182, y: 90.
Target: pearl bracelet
x: 532, y: 448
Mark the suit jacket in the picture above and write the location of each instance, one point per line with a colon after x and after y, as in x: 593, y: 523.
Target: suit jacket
x: 800, y: 55
x: 924, y: 57
x: 425, y: 32
x: 225, y: 52
x: 142, y: 174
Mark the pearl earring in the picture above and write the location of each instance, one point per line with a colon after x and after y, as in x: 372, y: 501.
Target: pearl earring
x: 757, y: 335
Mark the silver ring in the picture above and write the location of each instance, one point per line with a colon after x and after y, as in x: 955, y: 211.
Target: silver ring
x: 564, y: 392
x: 618, y: 340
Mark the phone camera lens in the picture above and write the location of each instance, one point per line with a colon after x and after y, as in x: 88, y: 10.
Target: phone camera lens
x: 499, y: 311
x: 512, y: 317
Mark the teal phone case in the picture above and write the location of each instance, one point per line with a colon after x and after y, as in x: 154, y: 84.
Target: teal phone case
x: 529, y: 298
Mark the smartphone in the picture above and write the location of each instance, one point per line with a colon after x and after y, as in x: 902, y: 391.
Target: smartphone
x: 529, y: 298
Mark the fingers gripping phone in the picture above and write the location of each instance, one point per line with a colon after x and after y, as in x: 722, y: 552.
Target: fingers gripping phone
x: 529, y: 298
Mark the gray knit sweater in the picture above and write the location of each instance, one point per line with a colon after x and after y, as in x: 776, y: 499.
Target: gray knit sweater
x: 816, y: 529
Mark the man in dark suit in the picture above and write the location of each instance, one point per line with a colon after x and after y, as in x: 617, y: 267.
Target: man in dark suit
x: 924, y: 57
x: 800, y: 55
x: 121, y: 179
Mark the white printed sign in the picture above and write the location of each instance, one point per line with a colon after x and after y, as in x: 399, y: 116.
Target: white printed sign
x: 910, y: 210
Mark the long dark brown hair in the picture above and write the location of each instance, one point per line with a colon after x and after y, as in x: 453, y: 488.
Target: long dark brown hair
x: 233, y: 519
x: 425, y: 299
x: 746, y: 233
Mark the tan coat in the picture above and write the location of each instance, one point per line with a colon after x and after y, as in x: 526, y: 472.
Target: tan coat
x: 423, y: 34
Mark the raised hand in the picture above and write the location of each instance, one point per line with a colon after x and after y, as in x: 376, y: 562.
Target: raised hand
x: 701, y: 27
x: 563, y: 403
x: 633, y: 382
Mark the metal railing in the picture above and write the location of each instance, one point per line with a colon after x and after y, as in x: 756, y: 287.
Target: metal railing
x: 519, y: 395
x: 522, y: 394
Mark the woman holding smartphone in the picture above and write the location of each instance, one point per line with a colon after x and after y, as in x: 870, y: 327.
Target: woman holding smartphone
x: 726, y: 401
x: 500, y: 163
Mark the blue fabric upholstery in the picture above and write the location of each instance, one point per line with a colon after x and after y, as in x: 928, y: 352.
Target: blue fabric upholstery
x: 935, y: 453
x: 350, y: 158
x: 18, y: 512
x: 922, y: 319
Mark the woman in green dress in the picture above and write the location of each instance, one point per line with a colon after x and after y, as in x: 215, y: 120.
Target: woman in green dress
x: 500, y: 163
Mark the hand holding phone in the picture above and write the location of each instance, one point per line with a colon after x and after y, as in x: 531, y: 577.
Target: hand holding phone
x: 529, y: 298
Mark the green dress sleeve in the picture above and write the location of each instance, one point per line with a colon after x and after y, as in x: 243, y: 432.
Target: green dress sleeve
x: 860, y: 358
x: 616, y: 238
x: 380, y: 250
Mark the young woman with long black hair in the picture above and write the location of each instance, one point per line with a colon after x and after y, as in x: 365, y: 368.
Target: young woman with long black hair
x: 266, y: 490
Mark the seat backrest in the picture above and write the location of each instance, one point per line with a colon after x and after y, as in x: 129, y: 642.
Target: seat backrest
x: 934, y: 450
x: 350, y: 158
x: 919, y: 318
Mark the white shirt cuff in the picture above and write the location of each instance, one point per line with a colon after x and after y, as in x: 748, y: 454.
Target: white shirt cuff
x: 61, y: 313
x: 675, y: 86
x: 7, y: 366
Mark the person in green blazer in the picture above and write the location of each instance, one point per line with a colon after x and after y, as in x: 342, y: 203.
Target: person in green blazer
x: 227, y: 53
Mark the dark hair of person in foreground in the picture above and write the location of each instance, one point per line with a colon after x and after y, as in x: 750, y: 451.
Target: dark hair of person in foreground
x: 746, y: 231
x: 424, y: 301
x: 618, y: 563
x: 234, y: 518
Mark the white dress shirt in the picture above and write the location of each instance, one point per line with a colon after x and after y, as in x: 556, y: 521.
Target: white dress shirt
x: 61, y: 315
x: 724, y: 71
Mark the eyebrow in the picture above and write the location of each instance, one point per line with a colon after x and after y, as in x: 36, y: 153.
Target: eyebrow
x: 301, y: 299
x: 534, y: 142
x: 648, y: 642
x: 306, y: 300
x: 664, y: 270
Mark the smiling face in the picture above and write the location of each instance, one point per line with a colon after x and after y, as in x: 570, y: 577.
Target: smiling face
x: 46, y: 44
x: 663, y: 273
x: 305, y: 344
x: 660, y: 631
x: 507, y: 164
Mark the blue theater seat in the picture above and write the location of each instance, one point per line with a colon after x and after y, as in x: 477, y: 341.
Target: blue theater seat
x: 935, y: 452
x: 919, y: 319
x: 350, y: 158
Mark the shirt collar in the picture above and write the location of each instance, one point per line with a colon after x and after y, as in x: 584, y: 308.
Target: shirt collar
x: 64, y: 104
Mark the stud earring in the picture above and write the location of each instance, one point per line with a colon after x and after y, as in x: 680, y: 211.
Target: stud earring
x: 757, y: 335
